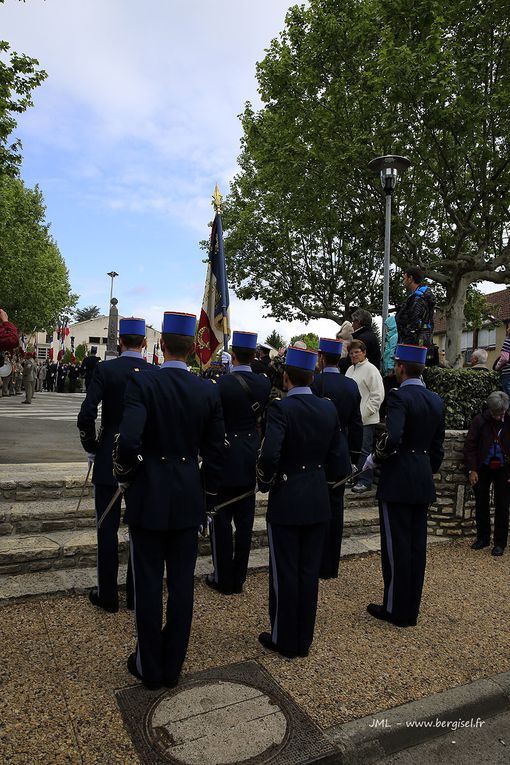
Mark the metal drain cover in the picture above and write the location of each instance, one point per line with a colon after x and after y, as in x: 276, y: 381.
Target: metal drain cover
x: 235, y: 714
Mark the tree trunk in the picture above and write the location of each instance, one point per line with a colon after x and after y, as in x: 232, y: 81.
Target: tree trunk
x: 454, y: 315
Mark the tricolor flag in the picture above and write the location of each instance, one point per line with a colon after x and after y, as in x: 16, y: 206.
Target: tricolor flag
x: 73, y: 357
x: 214, y: 325
x: 155, y: 358
x: 50, y: 352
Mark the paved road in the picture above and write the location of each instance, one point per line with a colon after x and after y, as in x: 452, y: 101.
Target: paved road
x: 43, y: 431
x: 488, y: 745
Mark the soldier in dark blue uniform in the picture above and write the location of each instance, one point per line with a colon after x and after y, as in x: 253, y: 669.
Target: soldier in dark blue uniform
x: 88, y: 366
x: 344, y: 393
x: 301, y: 451
x: 409, y: 455
x: 244, y: 397
x: 108, y: 386
x: 169, y: 418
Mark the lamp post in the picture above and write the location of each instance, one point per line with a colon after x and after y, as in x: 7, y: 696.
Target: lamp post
x: 112, y: 275
x: 389, y: 168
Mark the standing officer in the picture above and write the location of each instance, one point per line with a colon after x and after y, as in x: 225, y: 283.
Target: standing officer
x: 108, y: 385
x: 409, y: 454
x: 301, y: 450
x: 169, y: 418
x: 345, y: 395
x: 244, y: 397
x: 88, y: 366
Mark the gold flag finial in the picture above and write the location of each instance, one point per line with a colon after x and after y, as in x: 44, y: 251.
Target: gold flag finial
x: 217, y: 199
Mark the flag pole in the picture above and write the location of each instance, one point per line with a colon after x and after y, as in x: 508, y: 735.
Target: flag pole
x: 217, y: 200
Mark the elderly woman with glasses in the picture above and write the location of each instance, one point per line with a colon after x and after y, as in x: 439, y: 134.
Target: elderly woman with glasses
x: 487, y: 458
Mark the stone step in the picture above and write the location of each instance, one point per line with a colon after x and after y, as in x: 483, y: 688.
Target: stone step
x: 77, y: 548
x: 40, y: 516
x: 43, y: 516
x: 40, y: 481
x: 39, y: 542
x: 80, y: 580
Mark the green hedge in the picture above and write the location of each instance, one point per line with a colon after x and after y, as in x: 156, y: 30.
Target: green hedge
x: 463, y: 391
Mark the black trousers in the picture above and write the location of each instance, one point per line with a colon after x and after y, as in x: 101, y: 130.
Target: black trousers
x: 231, y: 552
x: 333, y: 540
x: 161, y: 650
x: 108, y: 547
x: 295, y: 558
x: 403, y: 556
x: 499, y: 479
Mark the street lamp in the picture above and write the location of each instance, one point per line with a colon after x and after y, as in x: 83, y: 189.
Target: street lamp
x: 389, y: 168
x: 112, y: 275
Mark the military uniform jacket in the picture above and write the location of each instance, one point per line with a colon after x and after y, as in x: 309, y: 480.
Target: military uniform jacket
x: 345, y: 395
x: 242, y: 436
x: 415, y: 423
x: 301, y: 451
x: 88, y: 366
x: 169, y: 418
x: 107, y: 385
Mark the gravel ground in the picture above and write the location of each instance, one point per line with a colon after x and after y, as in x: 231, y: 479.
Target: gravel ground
x: 62, y: 660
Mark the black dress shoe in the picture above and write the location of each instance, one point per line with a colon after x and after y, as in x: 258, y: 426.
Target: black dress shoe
x: 133, y: 670
x: 171, y: 683
x: 497, y: 551
x: 266, y: 640
x: 380, y: 613
x: 237, y: 590
x: 94, y: 598
x: 130, y: 604
x: 479, y: 544
x: 210, y: 582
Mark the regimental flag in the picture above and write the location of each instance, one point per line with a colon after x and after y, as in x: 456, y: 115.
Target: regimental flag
x: 73, y: 357
x: 214, y: 325
x: 155, y: 358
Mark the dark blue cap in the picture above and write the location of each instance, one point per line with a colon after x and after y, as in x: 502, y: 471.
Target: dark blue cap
x: 298, y: 357
x: 328, y: 345
x: 244, y: 340
x: 179, y: 323
x: 416, y: 353
x: 132, y: 326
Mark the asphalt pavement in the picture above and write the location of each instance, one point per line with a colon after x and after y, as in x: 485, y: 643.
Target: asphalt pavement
x: 43, y: 431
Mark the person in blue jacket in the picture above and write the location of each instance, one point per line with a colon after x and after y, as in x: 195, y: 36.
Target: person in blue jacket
x: 409, y: 454
x: 345, y: 395
x: 170, y: 417
x: 244, y: 396
x: 301, y: 451
x: 107, y: 386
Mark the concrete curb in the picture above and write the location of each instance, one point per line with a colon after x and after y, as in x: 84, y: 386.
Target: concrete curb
x: 369, y: 739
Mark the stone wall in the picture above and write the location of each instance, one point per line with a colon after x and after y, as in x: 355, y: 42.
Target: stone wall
x: 453, y: 513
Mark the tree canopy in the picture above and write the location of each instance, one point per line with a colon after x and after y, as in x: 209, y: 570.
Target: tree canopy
x: 309, y: 338
x: 34, y: 282
x: 87, y: 312
x: 19, y: 76
x: 350, y: 80
x: 275, y: 340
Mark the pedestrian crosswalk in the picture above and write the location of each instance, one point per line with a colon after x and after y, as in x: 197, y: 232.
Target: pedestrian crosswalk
x: 44, y: 406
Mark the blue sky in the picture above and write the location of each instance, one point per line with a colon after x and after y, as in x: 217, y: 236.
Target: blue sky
x: 135, y: 124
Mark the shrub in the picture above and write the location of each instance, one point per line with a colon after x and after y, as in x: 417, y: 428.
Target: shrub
x: 464, y: 391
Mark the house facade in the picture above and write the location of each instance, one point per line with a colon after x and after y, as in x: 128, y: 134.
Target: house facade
x: 93, y: 332
x: 491, y: 336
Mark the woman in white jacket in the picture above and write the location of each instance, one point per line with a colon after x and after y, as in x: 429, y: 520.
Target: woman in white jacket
x: 371, y: 388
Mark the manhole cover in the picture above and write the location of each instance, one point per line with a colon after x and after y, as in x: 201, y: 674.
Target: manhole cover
x: 216, y: 724
x: 233, y: 714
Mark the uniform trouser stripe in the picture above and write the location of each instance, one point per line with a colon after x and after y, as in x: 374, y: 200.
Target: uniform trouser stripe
x: 132, y: 554
x: 212, y: 534
x: 389, y: 551
x: 274, y: 574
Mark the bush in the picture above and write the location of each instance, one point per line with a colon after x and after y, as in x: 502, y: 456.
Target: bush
x: 464, y: 391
